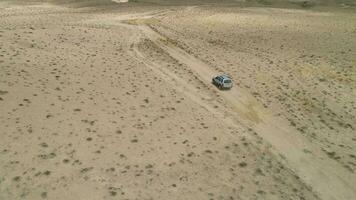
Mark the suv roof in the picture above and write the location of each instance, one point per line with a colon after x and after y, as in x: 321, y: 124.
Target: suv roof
x: 224, y: 76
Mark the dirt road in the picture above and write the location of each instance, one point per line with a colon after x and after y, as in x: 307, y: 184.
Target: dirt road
x: 324, y: 175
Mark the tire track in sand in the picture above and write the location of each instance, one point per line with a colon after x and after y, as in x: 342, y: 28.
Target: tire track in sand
x: 329, y: 179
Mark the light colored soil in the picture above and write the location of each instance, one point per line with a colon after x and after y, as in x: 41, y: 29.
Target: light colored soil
x: 116, y: 103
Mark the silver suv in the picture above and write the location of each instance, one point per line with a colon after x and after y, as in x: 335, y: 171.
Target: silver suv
x: 222, y: 81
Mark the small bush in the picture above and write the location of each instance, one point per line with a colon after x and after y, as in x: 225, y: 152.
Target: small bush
x: 242, y: 164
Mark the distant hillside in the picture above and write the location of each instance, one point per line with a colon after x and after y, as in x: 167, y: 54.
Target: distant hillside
x: 71, y: 3
x: 301, y: 3
x: 81, y: 3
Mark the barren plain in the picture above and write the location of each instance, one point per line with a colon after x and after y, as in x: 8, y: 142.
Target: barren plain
x: 116, y: 102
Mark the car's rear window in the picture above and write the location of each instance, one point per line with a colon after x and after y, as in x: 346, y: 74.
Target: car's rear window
x: 227, y: 81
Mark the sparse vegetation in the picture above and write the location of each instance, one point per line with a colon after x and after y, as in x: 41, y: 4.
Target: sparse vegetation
x: 116, y: 102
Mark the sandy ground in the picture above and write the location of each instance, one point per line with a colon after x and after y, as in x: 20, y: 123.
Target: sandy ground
x: 116, y: 102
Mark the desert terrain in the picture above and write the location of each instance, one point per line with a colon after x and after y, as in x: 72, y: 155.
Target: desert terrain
x: 115, y: 101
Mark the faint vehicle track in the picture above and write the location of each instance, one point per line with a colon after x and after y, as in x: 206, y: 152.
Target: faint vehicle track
x: 329, y: 179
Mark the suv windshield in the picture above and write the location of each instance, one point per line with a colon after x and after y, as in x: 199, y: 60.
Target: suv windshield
x: 227, y: 81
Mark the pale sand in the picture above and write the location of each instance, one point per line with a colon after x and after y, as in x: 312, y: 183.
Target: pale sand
x: 116, y: 103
